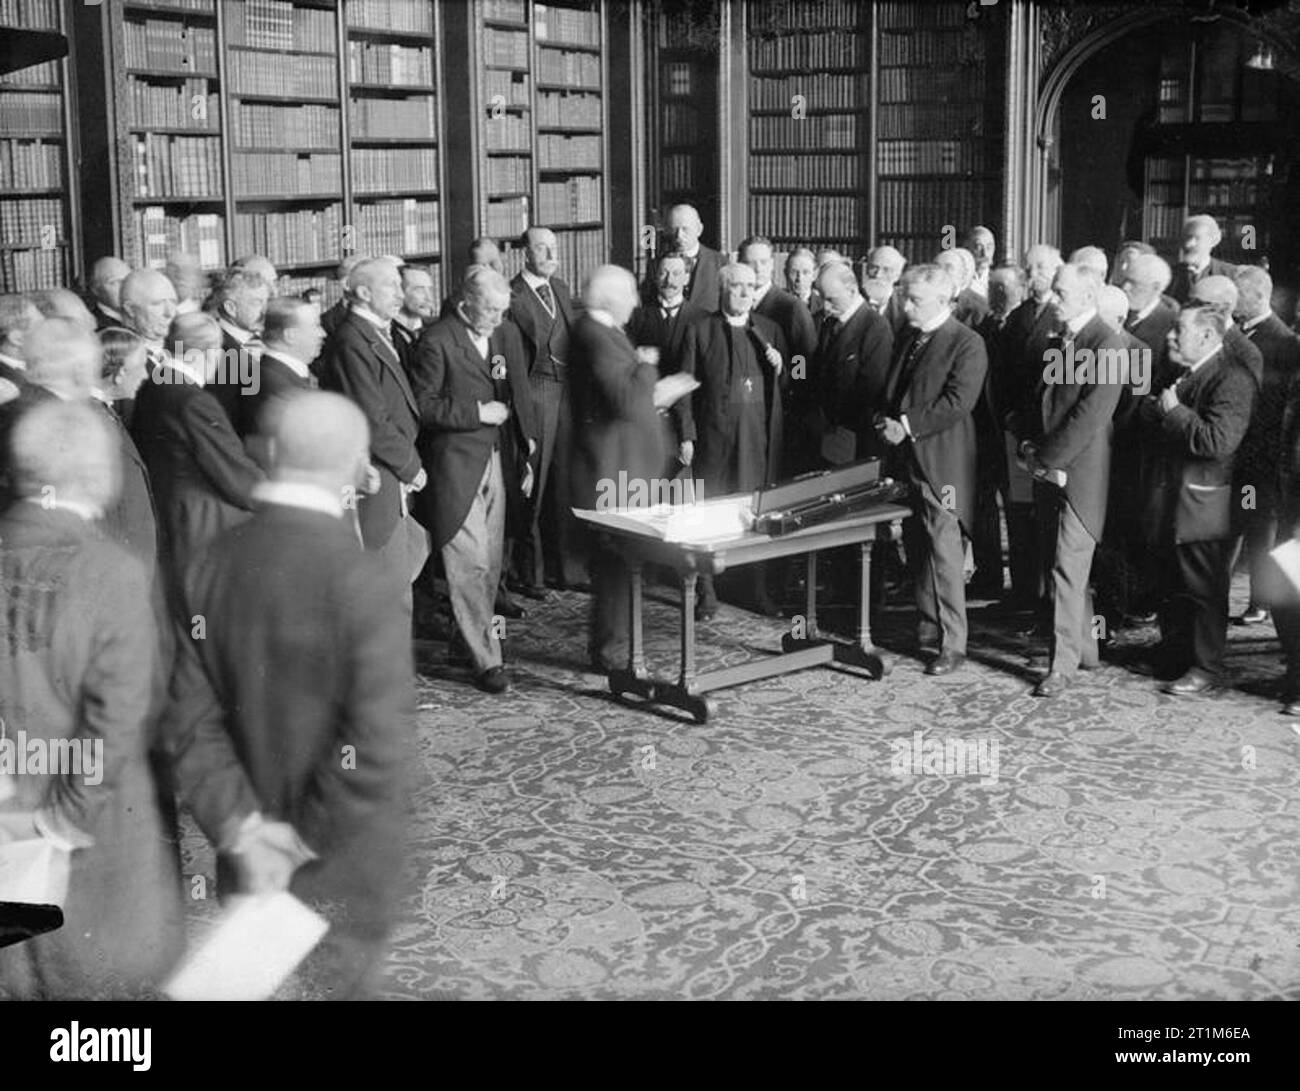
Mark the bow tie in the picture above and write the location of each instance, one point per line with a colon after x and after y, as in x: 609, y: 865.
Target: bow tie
x: 669, y: 312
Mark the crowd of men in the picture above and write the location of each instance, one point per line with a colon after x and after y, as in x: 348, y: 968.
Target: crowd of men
x: 219, y: 509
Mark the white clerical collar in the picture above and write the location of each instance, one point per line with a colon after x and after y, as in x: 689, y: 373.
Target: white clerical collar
x: 1075, y: 324
x: 243, y: 336
x: 736, y: 320
x: 533, y: 280
x: 937, y: 321
x: 291, y: 362
x: 603, y: 317
x: 1250, y: 324
x: 297, y: 494
x: 88, y: 512
x: 192, y: 373
x: 13, y: 362
x: 1205, y: 359
x: 858, y: 302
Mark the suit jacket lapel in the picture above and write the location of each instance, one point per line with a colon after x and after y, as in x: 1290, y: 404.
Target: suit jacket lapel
x: 389, y: 358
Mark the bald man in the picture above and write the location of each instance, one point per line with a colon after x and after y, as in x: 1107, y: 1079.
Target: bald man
x: 62, y: 303
x: 361, y: 362
x: 106, y: 278
x: 332, y: 318
x: 77, y: 652
x: 301, y: 785
x: 149, y: 305
x: 682, y: 231
x: 541, y: 309
x: 1196, y: 260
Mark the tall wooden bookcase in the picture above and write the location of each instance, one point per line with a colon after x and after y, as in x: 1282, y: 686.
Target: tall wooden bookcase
x: 37, y: 134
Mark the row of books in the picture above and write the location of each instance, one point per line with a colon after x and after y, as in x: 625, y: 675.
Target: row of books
x: 396, y: 65
x: 566, y: 25
x: 32, y: 221
x: 1164, y: 221
x: 330, y: 289
x: 31, y: 270
x: 408, y: 226
x: 191, y: 105
x: 677, y: 171
x: 806, y: 172
x: 507, y: 219
x: 930, y: 156
x: 267, y: 74
x: 1242, y: 193
x: 381, y: 170
x: 909, y: 15
x: 307, y: 235
x: 206, y: 6
x: 1165, y: 170
x: 31, y: 112
x: 569, y: 69
x: 505, y: 48
x: 579, y: 253
x: 506, y: 11
x: 395, y: 118
x: 681, y: 123
x: 30, y: 164
x: 830, y: 49
x: 568, y: 152
x: 823, y: 93
x: 160, y: 234
x: 575, y: 200
x: 506, y: 132
x: 789, y: 15
x: 814, y: 131
x: 257, y: 126
x: 512, y: 261
x: 176, y: 166
x: 170, y: 46
x: 930, y: 120
x: 914, y: 85
x: 925, y: 50
x: 268, y: 174
x: 409, y: 16
x: 30, y: 14
x: 803, y: 215
x: 925, y: 206
x: 507, y: 88
x: 569, y: 111
x: 509, y: 174
x: 45, y: 74
x: 276, y: 24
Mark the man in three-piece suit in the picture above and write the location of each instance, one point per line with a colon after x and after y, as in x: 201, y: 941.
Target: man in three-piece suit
x: 477, y: 429
x: 238, y: 302
x: 682, y: 232
x: 1261, y: 451
x: 618, y: 430
x: 1192, y: 517
x: 1201, y: 234
x: 1068, y: 451
x: 542, y: 311
x: 361, y: 362
x: 301, y: 785
x: 78, y: 647
x: 293, y: 337
x: 934, y: 383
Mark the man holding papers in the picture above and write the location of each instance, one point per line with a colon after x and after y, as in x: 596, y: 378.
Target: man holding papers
x: 293, y: 697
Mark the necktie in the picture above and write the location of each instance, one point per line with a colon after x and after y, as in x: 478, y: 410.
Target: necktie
x: 690, y: 264
x: 1193, y: 274
x: 548, y: 300
x: 914, y: 351
x: 670, y: 313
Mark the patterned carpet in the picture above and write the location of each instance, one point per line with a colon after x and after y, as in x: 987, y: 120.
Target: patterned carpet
x: 1129, y: 846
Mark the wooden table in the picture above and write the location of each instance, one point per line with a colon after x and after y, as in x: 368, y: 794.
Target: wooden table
x: 642, y: 545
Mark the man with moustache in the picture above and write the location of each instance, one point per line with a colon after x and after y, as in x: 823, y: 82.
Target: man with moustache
x: 934, y: 384
x: 1196, y: 260
x: 293, y: 336
x: 969, y: 307
x: 238, y: 302
x: 982, y: 246
x: 1068, y: 450
x: 417, y: 310
x: 778, y: 305
x: 884, y: 263
x: 683, y: 230
x: 1151, y: 315
x: 801, y: 276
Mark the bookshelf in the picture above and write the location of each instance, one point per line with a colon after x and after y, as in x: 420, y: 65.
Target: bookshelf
x: 1235, y: 190
x: 35, y: 164
x: 542, y: 109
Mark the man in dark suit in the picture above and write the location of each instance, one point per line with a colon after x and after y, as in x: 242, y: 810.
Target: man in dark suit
x: 1261, y: 451
x: 969, y: 307
x: 361, y: 362
x: 982, y: 244
x: 1195, y: 427
x: 732, y: 429
x: 618, y: 430
x: 1151, y: 315
x: 417, y: 311
x: 661, y: 324
x: 846, y: 384
x: 777, y: 305
x: 542, y: 311
x: 238, y: 303
x: 293, y: 337
x: 475, y: 412
x: 333, y: 317
x: 1201, y: 234
x: 77, y: 652
x: 149, y: 304
x: 1220, y: 293
x: 801, y: 276
x: 106, y: 278
x: 18, y: 314
x: 934, y: 384
x: 1068, y: 451
x: 301, y: 785
x: 886, y: 264
x: 682, y: 232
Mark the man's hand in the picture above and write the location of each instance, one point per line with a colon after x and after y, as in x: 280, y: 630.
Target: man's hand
x: 891, y: 431
x: 647, y: 354
x: 686, y: 452
x: 1168, y: 399
x: 526, y: 484
x: 372, y: 482
x: 773, y: 358
x: 493, y: 412
x: 266, y: 857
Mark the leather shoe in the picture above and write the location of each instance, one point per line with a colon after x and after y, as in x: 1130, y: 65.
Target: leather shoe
x: 1052, y: 685
x: 1291, y: 708
x: 944, y: 663
x: 509, y: 608
x: 493, y: 680
x: 706, y: 611
x: 1253, y: 615
x: 1193, y: 682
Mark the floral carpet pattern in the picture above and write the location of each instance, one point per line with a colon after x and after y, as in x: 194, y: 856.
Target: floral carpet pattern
x: 1124, y: 845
